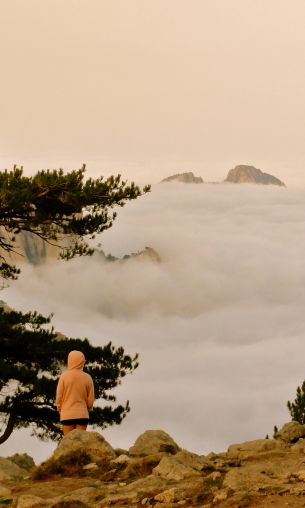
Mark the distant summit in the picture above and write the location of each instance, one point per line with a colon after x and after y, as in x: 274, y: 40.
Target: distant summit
x: 240, y: 174
x: 250, y: 174
x: 184, y: 178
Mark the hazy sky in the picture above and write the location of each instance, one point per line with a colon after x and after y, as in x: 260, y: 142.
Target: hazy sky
x: 219, y: 324
x: 142, y: 86
x: 148, y: 88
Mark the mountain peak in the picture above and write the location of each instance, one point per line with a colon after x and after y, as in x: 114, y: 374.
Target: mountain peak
x: 188, y: 177
x: 249, y: 174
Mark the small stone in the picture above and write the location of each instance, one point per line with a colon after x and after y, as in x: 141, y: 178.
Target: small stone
x: 168, y: 496
x: 90, y: 466
x: 300, y: 475
x: 121, y: 459
x: 28, y: 501
x: 221, y: 496
x: 122, y: 484
x: 215, y: 475
x: 182, y: 502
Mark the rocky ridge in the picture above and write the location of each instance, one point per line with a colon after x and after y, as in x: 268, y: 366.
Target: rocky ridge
x: 148, y: 253
x: 85, y: 471
x: 36, y: 251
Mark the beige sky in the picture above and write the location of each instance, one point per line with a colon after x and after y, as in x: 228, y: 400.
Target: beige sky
x: 157, y: 83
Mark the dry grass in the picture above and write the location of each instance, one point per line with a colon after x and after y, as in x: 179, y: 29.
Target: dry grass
x: 70, y: 464
x: 141, y: 467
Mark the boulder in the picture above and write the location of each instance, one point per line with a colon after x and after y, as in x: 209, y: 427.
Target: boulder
x: 197, y: 462
x: 249, y: 174
x: 170, y: 468
x: 291, y: 432
x: 153, y: 441
x: 92, y: 443
x: 183, y: 465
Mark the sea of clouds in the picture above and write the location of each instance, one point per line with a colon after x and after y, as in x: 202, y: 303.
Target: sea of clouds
x: 219, y: 324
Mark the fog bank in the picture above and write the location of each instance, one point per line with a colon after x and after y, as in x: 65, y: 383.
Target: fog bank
x: 218, y: 324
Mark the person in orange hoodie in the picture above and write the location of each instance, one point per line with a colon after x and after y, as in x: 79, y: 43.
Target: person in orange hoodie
x: 74, y: 394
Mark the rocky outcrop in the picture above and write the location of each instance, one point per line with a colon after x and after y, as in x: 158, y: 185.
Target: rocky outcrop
x: 184, y: 178
x: 250, y: 174
x: 291, y: 432
x: 252, y: 448
x: 148, y: 253
x: 262, y: 472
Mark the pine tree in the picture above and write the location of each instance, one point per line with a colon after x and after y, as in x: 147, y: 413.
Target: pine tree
x: 32, y: 358
x: 297, y: 407
x: 54, y: 205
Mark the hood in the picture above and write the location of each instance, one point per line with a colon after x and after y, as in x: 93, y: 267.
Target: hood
x: 76, y: 360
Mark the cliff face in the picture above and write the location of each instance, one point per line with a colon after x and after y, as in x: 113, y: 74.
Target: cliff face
x: 250, y: 174
x: 184, y: 178
x: 32, y: 249
x: 36, y: 250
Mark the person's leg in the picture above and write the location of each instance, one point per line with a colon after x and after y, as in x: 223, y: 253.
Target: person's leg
x: 81, y: 427
x: 67, y: 428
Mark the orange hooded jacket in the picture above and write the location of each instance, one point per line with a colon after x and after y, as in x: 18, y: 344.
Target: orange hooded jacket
x: 75, y: 390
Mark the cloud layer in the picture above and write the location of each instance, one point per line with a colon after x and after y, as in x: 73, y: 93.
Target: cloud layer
x: 219, y: 324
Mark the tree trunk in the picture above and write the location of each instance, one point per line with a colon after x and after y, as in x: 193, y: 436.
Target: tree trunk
x: 10, y: 424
